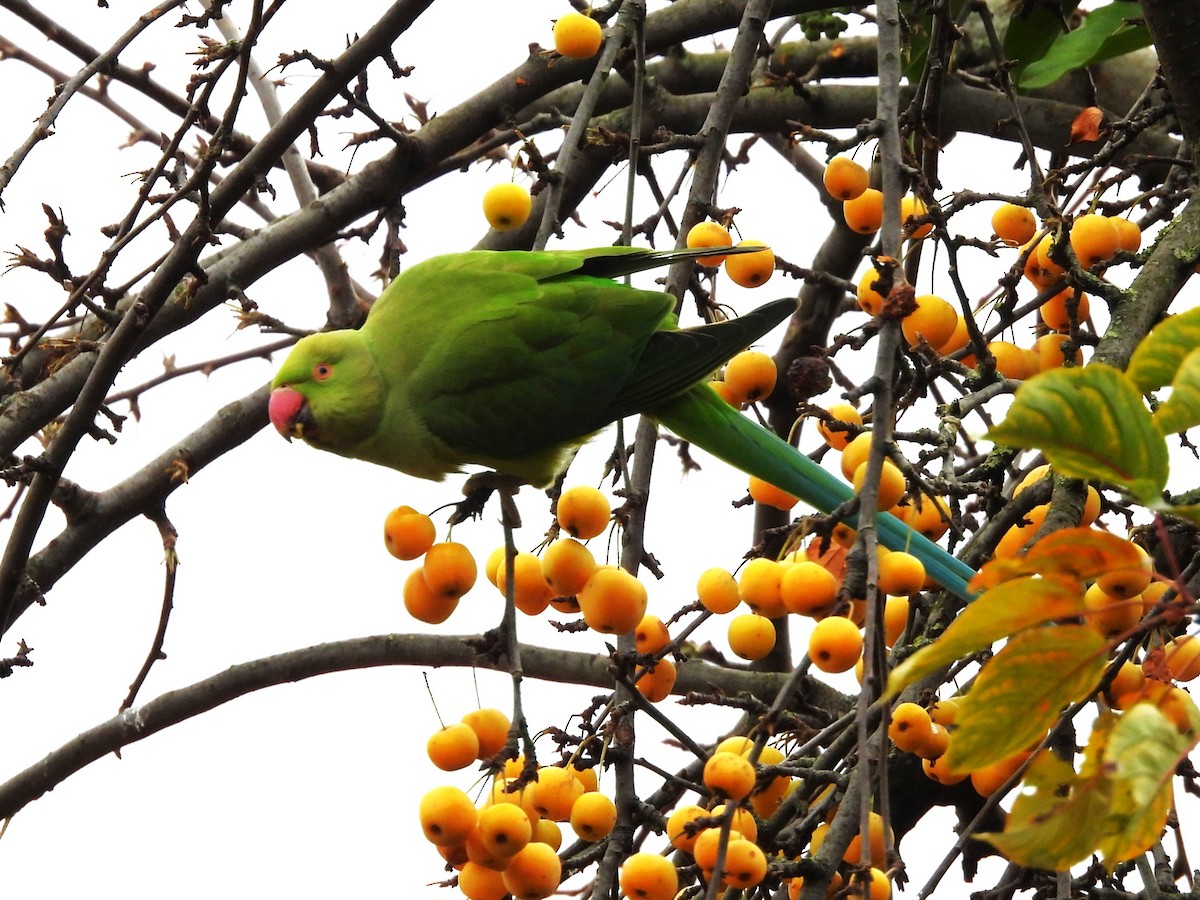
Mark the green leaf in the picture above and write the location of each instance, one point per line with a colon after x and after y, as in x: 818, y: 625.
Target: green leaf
x: 1051, y: 826
x: 1160, y: 354
x: 1091, y: 423
x: 1140, y: 758
x: 919, y: 19
x: 1022, y: 690
x: 1028, y: 37
x: 1103, y: 35
x: 1182, y: 409
x: 995, y: 614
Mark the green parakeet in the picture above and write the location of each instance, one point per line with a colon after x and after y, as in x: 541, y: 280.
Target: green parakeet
x: 512, y: 359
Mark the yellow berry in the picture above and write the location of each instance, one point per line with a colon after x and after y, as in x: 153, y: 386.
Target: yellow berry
x: 870, y: 300
x: 577, y: 36
x: 1129, y: 236
x: 767, y: 494
x: 554, y: 792
x: 758, y: 586
x: 864, y: 213
x: 655, y: 684
x: 648, y: 876
x: 583, y: 511
x: 533, y: 873
x: 408, y: 533
x: 593, y: 816
x: 531, y: 592
x: 453, y: 747
x: 478, y: 882
x: 422, y: 603
x: 845, y: 179
x: 491, y: 727
x: 1182, y: 657
x: 709, y: 234
x: 934, y: 319
x: 750, y: 269
x: 910, y: 727
x: 745, y: 864
x: 566, y: 566
x: 855, y: 453
x: 911, y: 209
x: 1094, y: 239
x: 729, y: 773
x: 507, y: 206
x: 1015, y: 225
x: 651, y: 635
x: 1055, y: 312
x: 808, y: 588
x: 504, y: 829
x: 751, y: 375
x: 678, y: 833
x: 751, y: 636
x: 891, y: 483
x: 900, y: 573
x: 842, y: 412
x: 612, y: 601
x: 835, y: 644
x: 717, y: 590
x: 447, y: 815
x: 449, y: 569
x: 871, y: 885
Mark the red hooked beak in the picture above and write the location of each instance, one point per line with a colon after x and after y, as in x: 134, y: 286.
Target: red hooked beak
x: 284, y: 409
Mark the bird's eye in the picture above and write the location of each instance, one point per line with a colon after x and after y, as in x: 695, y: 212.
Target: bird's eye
x: 321, y: 371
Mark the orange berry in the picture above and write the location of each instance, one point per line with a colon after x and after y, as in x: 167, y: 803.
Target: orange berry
x: 612, y: 601
x: 758, y: 586
x: 871, y: 885
x: 453, y: 747
x: 891, y: 483
x: 587, y: 777
x: 1039, y: 267
x: 1110, y: 616
x: 877, y: 836
x: 750, y: 269
x: 937, y: 744
x: 1011, y: 361
x: 926, y: 515
x: 678, y: 833
x: 1015, y: 225
x: 504, y: 828
x: 1153, y: 592
x: 533, y: 873
x: 895, y: 619
x: 717, y: 590
x: 855, y: 454
x: 449, y: 569
x: 507, y: 206
x: 1129, y: 236
x: 745, y: 864
x: 808, y: 588
x: 870, y: 300
x: 656, y: 683
x: 901, y: 573
x: 751, y: 375
x: 842, y: 412
x: 990, y: 778
x: 422, y: 603
x: 709, y: 234
x: 767, y: 494
x: 593, y: 816
x: 1182, y: 657
x: 1127, y: 583
x: 910, y: 727
x: 583, y: 512
x: 408, y: 533
x: 1129, y: 680
x: 944, y: 712
x: 730, y: 773
x: 531, y: 592
x: 1049, y: 351
x: 935, y: 770
x: 864, y: 213
x: 958, y: 339
x: 491, y: 727
x: 554, y: 792
x: 1094, y: 239
x: 481, y: 883
x: 1055, y: 312
x: 651, y: 635
x: 835, y: 644
x: 566, y: 566
x: 911, y: 209
x: 934, y: 320
x: 447, y: 815
x: 648, y: 876
x: 751, y: 636
x: 725, y: 392
x: 577, y: 36
x: 845, y: 179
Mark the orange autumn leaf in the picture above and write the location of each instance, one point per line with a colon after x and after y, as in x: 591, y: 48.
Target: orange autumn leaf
x: 1086, y: 126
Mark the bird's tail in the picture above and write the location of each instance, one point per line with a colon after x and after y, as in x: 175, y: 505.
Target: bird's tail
x: 701, y: 417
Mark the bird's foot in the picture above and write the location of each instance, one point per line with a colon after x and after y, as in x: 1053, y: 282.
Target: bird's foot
x: 479, y: 487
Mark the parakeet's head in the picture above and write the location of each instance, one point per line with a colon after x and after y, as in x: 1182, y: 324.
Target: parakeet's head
x: 328, y: 392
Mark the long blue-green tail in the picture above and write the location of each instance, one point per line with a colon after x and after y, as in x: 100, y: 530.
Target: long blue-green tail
x: 702, y: 418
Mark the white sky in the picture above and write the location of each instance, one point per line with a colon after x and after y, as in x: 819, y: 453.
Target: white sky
x: 308, y: 789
